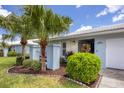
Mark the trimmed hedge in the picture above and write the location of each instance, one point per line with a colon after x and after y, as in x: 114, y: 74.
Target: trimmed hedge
x: 27, y: 63
x: 83, y: 67
x: 11, y: 53
x: 32, y: 63
x: 36, y: 65
x: 19, y: 60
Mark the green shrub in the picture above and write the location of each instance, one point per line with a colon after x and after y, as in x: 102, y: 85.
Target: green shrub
x: 19, y: 60
x: 18, y: 54
x: 32, y: 63
x: 84, y: 67
x: 11, y: 53
x: 27, y: 63
x: 36, y: 65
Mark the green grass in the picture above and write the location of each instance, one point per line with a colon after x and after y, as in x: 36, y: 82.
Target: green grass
x: 8, y: 80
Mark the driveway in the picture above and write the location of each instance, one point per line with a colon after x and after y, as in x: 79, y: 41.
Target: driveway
x: 112, y: 78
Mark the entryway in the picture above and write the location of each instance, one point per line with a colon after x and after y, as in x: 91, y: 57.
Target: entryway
x: 86, y: 45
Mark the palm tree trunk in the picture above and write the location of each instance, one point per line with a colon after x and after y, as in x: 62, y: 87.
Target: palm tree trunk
x: 23, y: 51
x: 43, y: 45
x: 23, y: 43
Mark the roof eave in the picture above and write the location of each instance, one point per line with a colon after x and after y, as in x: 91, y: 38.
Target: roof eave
x: 87, y: 34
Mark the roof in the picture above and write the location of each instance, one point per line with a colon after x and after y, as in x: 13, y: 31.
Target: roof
x: 117, y: 28
x: 111, y: 29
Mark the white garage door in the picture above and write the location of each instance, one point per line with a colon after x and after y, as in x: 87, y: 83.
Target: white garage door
x: 115, y: 53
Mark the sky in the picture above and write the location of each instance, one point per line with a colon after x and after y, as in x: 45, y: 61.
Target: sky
x: 84, y: 16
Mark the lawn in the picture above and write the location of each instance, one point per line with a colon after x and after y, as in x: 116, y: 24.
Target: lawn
x: 8, y: 80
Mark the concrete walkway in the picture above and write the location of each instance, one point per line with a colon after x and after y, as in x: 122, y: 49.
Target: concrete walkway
x: 112, y: 78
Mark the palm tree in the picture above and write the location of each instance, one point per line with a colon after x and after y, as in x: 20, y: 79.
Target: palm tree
x: 25, y: 31
x: 18, y: 26
x: 46, y: 23
x: 4, y: 38
x: 3, y: 44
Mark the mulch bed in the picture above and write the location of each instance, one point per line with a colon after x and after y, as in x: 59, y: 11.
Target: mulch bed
x: 24, y: 70
x: 60, y: 72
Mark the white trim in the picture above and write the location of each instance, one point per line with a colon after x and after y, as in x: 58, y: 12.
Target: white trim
x: 87, y: 34
x: 96, y: 31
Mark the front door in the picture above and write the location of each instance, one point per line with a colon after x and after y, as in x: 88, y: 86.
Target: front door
x: 86, y: 45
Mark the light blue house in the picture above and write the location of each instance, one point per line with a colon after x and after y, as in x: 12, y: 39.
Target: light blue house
x: 107, y: 42
x: 34, y: 51
x: 52, y: 53
x: 16, y: 46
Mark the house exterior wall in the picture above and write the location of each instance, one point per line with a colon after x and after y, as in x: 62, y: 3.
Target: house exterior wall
x: 72, y: 45
x: 99, y: 44
x: 27, y: 49
x: 18, y: 49
x: 52, y: 53
x: 5, y: 52
x: 53, y: 56
x: 100, y: 49
x: 35, y: 53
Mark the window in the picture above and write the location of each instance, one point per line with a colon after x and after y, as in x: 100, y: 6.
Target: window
x: 64, y: 48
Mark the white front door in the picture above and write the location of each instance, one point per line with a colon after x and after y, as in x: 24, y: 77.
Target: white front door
x: 115, y: 53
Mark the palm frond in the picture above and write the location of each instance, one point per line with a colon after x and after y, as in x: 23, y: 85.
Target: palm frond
x: 46, y: 22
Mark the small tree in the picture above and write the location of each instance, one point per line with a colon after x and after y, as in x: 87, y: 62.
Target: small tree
x: 4, y: 38
x: 25, y: 31
x: 46, y: 23
x: 18, y: 26
x: 4, y: 45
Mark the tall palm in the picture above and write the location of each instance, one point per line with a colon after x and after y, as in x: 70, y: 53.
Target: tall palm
x: 46, y: 23
x: 3, y: 23
x: 25, y: 31
x: 4, y: 38
x: 18, y: 26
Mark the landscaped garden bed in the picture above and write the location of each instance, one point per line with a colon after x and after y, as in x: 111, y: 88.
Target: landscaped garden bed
x: 60, y: 72
x: 81, y: 68
x: 28, y: 70
x: 18, y: 80
x: 23, y: 70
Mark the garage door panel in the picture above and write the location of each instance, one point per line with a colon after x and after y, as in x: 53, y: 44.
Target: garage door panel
x: 115, y: 53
